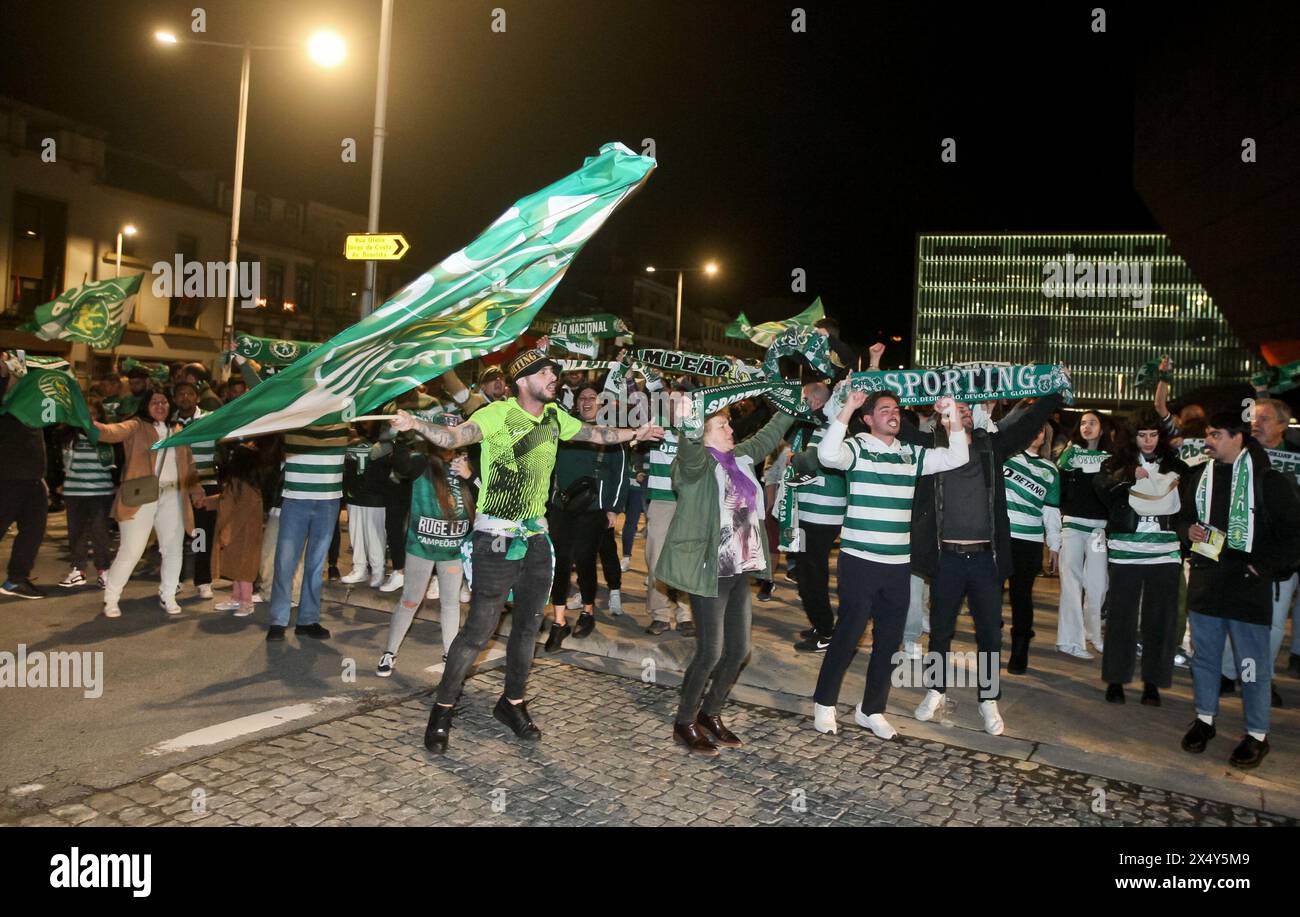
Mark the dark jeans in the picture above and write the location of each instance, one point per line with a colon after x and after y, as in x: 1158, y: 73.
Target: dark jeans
x: 1027, y: 563
x: 632, y: 516
x: 576, y: 537
x: 395, y: 510
x: 205, y: 520
x: 973, y: 577
x: 494, y: 576
x: 1155, y: 587
x: 610, y: 562
x: 722, y: 626
x: 869, y: 591
x: 88, y: 522
x: 27, y: 503
x: 815, y: 575
x: 336, y: 544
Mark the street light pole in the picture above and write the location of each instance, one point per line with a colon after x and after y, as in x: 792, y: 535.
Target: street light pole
x: 677, y: 340
x: 117, y: 272
x: 236, y: 197
x: 377, y: 155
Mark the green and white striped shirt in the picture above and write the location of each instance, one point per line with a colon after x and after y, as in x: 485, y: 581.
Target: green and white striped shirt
x: 313, y: 462
x: 205, y: 453
x: 1154, y: 547
x: 659, y: 469
x: 881, y: 482
x: 86, y: 475
x: 824, y: 501
x: 1033, y: 487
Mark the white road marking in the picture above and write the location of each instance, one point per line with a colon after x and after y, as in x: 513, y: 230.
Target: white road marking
x: 244, y: 725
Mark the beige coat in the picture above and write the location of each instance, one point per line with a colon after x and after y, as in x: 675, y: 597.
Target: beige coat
x: 237, y: 554
x: 137, y: 438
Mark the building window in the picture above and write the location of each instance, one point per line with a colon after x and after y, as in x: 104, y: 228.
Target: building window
x: 262, y: 207
x: 329, y: 294
x: 184, y: 311
x: 273, y: 288
x: 302, y: 288
x: 291, y: 215
x: 37, y: 245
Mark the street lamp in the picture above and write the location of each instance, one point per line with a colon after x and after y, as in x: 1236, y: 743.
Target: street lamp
x: 710, y: 269
x: 127, y: 230
x: 327, y: 50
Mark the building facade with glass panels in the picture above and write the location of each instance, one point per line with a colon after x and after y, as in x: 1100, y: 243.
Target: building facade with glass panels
x: 1101, y: 304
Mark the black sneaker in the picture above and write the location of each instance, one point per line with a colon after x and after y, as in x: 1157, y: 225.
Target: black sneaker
x: 686, y: 629
x: 274, y: 632
x: 1198, y: 736
x: 516, y: 717
x: 385, y: 667
x: 805, y: 634
x: 765, y: 591
x: 312, y: 630
x: 585, y: 625
x: 817, y: 643
x: 1115, y: 693
x: 658, y: 628
x: 1293, y: 667
x: 22, y: 588
x: 1150, y: 695
x: 334, y: 575
x: 1249, y: 753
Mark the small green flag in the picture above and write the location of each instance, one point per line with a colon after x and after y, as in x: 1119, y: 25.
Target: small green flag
x: 271, y: 351
x: 157, y: 372
x: 94, y: 314
x: 44, y: 397
x: 763, y: 335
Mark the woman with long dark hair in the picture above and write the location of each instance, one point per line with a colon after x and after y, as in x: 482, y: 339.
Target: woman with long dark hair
x: 237, y: 533
x: 1083, y: 537
x: 1139, y: 485
x: 88, y: 494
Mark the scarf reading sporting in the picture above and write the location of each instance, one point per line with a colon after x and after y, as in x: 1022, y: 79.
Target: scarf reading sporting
x: 787, y: 503
x: 584, y: 365
x: 1192, y: 452
x: 1076, y: 459
x: 704, y: 402
x: 808, y: 343
x: 965, y: 383
x: 581, y: 333
x: 1241, y: 506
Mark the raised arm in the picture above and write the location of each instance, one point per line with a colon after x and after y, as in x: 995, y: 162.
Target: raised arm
x: 611, y: 436
x: 1014, y: 436
x: 457, y: 437
x: 957, y: 452
x: 115, y: 432
x: 765, y: 440
x: 460, y: 393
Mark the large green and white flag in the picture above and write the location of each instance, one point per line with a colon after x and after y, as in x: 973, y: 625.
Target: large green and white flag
x: 763, y: 335
x: 44, y: 397
x: 474, y: 302
x: 95, y: 314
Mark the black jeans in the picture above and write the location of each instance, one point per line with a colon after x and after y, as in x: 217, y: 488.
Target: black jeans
x: 336, y: 543
x: 206, y: 520
x: 815, y: 575
x: 1027, y: 563
x: 610, y: 562
x: 88, y: 522
x: 722, y: 626
x: 395, y: 510
x: 577, y: 539
x: 973, y: 577
x: 1155, y: 588
x: 28, y: 504
x: 869, y: 591
x: 494, y: 576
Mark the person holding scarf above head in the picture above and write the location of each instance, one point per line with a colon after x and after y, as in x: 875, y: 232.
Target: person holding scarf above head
x: 1242, y: 518
x: 1083, y: 538
x: 715, y: 543
x: 1139, y: 486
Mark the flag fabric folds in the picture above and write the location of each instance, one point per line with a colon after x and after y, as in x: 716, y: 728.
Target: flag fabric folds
x: 43, y: 397
x: 94, y: 313
x: 763, y: 335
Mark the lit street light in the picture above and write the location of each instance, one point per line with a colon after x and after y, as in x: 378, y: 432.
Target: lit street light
x: 127, y: 230
x: 711, y: 269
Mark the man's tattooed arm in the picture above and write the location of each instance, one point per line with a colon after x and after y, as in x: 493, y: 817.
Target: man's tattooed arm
x: 456, y: 437
x: 608, y: 436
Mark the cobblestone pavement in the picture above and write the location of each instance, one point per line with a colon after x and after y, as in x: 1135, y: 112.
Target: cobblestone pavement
x: 606, y: 758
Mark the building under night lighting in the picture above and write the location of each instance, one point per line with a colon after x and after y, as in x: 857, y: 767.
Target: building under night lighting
x: 982, y: 297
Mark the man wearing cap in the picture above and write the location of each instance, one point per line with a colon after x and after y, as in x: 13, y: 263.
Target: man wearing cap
x: 509, y: 546
x: 121, y: 406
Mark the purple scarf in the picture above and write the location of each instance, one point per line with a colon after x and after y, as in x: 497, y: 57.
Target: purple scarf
x: 744, y: 486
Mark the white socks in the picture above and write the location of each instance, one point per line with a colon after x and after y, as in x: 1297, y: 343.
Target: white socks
x: 1205, y: 718
x: 824, y: 719
x: 1257, y: 736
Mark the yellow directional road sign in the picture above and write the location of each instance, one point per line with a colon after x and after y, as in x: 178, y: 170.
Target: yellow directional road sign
x: 376, y: 246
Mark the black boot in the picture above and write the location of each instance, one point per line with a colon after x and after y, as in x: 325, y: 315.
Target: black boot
x: 1115, y: 693
x: 1150, y: 695
x: 1018, y: 661
x: 438, y: 730
x: 516, y: 717
x: 556, y: 637
x: 586, y: 624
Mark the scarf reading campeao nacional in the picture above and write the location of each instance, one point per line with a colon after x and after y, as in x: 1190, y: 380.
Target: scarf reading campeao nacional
x: 965, y: 383
x: 582, y: 334
x: 1241, y: 508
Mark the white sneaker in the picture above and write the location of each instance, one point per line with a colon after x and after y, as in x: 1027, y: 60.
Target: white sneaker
x: 169, y: 606
x: 1098, y: 648
x: 929, y: 705
x: 385, y: 667
x: 627, y: 562
x: 244, y: 610
x: 376, y: 581
x: 432, y: 592
x: 1182, y: 660
x: 464, y: 594
x: 74, y: 578
x: 257, y: 598
x: 824, y: 719
x: 112, y: 611
x: 225, y: 606
x: 993, y: 724
x: 205, y: 591
x: 1075, y: 652
x: 876, y: 723
x: 912, y: 650
x: 357, y: 575
x: 396, y: 580
x: 615, y: 603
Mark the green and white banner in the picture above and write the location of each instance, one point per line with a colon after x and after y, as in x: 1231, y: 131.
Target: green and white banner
x: 704, y: 402
x: 474, y: 302
x: 965, y: 383
x: 1149, y: 373
x: 44, y: 397
x: 582, y: 334
x: 1285, y: 461
x: 1278, y: 379
x: 763, y: 335
x: 803, y: 341
x: 40, y: 361
x: 271, y: 351
x: 1192, y: 452
x: 697, y: 364
x: 1075, y: 458
x: 94, y: 314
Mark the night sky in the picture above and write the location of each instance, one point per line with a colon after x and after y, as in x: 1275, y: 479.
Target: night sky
x: 776, y: 150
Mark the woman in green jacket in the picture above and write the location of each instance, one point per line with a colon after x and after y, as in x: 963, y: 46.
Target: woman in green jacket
x: 714, y: 545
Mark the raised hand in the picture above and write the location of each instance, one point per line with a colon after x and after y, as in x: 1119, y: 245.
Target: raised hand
x: 403, y: 422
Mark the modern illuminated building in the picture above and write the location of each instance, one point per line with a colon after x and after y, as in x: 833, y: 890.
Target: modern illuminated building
x: 982, y: 297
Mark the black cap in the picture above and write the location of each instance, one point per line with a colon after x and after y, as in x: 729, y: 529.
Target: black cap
x: 529, y: 362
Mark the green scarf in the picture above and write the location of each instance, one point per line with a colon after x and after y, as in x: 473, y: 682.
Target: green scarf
x: 1241, y: 507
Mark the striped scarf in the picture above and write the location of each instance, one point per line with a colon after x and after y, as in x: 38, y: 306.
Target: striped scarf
x: 1241, y: 506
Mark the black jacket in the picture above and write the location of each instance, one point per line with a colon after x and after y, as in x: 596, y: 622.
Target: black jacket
x: 991, y: 450
x: 24, y: 447
x: 1113, y: 490
x: 1226, y: 588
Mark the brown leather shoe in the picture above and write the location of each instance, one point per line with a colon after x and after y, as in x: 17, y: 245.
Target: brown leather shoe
x: 695, y: 740
x: 721, y: 734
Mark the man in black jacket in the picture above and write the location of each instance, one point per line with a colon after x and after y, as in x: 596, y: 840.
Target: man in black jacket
x: 961, y: 539
x: 23, y: 498
x: 1242, y: 519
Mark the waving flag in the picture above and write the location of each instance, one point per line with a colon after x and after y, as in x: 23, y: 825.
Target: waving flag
x: 473, y: 302
x: 763, y: 335
x: 44, y: 397
x: 95, y: 313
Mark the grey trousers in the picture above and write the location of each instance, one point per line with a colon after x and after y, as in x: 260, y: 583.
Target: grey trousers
x: 658, y: 516
x: 418, y: 573
x: 722, y: 627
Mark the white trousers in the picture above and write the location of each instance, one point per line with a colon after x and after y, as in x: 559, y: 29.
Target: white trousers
x: 368, y: 538
x: 166, y: 516
x: 1283, y: 594
x: 1083, y: 588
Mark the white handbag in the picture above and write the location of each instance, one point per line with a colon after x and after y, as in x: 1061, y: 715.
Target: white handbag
x: 1155, y: 495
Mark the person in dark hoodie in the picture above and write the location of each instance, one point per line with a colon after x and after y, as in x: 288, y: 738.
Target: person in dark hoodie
x: 1242, y: 519
x: 23, y: 497
x: 1139, y: 487
x: 961, y: 540
x: 588, y: 492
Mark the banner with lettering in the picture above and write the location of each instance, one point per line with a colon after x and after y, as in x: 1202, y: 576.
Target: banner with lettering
x: 991, y: 382
x: 697, y: 364
x: 801, y: 341
x: 581, y: 334
x: 704, y: 402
